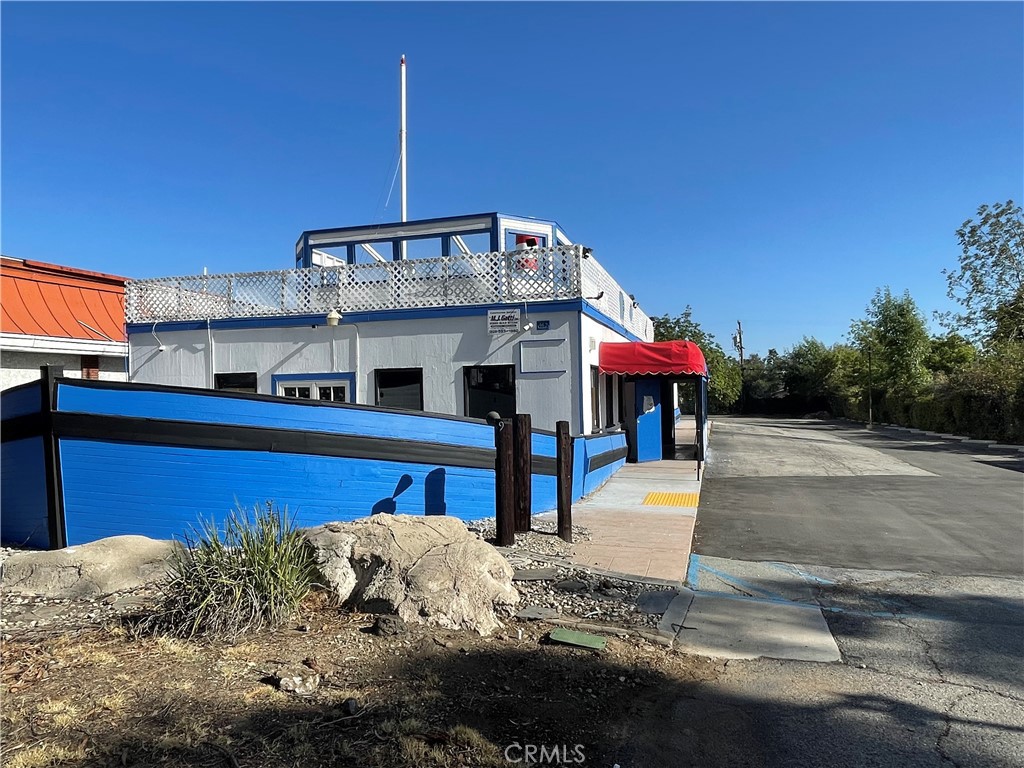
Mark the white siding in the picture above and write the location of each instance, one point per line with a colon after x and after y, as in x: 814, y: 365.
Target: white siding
x: 441, y: 346
x: 593, y: 334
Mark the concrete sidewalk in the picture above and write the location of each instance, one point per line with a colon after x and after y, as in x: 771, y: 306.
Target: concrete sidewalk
x: 641, y: 521
x: 641, y: 524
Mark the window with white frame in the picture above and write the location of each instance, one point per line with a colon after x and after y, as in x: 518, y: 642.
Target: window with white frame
x: 332, y: 391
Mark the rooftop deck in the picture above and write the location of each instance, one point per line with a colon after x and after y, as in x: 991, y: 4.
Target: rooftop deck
x: 507, y: 277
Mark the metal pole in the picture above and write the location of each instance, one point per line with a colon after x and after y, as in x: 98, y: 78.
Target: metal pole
x: 870, y: 387
x: 403, y: 156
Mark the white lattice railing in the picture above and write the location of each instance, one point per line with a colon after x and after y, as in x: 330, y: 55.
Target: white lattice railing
x: 512, y: 277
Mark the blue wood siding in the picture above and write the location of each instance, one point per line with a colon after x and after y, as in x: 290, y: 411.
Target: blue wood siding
x: 161, y: 491
x: 21, y: 400
x: 23, y: 491
x: 585, y: 449
x: 286, y: 414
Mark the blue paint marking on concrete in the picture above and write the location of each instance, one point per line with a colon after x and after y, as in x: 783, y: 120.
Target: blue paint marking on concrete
x: 802, y: 574
x: 693, y: 572
x: 746, y: 586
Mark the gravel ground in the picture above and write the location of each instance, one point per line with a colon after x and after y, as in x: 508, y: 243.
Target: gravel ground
x: 571, y: 590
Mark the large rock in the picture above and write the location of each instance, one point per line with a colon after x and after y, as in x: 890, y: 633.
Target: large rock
x: 425, y: 569
x: 89, y: 570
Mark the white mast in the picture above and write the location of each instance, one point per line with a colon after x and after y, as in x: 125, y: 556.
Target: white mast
x: 402, y: 153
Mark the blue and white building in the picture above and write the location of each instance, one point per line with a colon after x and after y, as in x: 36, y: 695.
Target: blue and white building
x: 458, y: 316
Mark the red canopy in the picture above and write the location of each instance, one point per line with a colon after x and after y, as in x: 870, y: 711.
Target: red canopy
x: 678, y: 358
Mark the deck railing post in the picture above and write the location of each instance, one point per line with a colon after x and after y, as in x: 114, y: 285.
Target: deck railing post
x: 504, y: 483
x: 563, y: 461
x: 524, y: 471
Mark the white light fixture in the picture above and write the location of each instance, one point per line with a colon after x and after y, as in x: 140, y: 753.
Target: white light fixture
x: 528, y: 326
x: 333, y: 318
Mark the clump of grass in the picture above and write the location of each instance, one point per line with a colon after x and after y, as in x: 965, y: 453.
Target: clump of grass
x: 253, y: 574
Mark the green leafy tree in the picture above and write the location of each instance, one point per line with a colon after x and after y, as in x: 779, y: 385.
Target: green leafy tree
x: 895, y: 334
x: 808, y: 366
x: 950, y: 353
x: 989, y: 283
x: 764, y: 377
x: 723, y: 371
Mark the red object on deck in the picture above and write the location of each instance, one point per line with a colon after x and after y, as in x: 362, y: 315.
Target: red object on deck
x: 638, y: 358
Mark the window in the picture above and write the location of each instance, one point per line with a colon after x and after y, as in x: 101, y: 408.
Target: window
x: 400, y: 388
x: 90, y: 366
x: 490, y: 388
x: 329, y: 391
x: 235, y: 382
x: 595, y: 399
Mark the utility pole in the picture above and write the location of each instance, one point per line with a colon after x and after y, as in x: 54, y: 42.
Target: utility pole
x: 737, y: 341
x: 871, y: 384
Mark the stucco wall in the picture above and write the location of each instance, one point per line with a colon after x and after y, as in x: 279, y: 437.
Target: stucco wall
x: 20, y: 367
x: 547, y: 387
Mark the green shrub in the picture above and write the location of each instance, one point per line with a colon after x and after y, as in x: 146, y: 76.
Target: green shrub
x: 254, y: 574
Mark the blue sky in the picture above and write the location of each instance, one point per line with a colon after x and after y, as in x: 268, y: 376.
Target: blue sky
x: 770, y: 163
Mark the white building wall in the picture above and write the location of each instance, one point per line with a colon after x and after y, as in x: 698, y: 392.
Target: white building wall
x: 18, y: 367
x: 547, y: 381
x: 593, y: 333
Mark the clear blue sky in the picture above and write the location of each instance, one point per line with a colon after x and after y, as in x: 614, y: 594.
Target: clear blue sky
x: 773, y: 163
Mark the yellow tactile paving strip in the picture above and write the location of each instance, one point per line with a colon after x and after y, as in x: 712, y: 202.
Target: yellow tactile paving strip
x: 659, y: 499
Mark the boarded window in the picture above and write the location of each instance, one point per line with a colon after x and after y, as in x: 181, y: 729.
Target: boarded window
x: 90, y: 366
x: 400, y: 388
x: 235, y: 382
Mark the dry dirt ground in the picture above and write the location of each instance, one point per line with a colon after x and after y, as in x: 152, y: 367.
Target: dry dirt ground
x: 84, y: 693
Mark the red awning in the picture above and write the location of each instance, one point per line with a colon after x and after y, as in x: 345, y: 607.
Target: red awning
x: 635, y: 358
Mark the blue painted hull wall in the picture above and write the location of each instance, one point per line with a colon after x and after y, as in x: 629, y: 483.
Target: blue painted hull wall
x: 585, y: 449
x: 22, y: 400
x: 310, y: 415
x: 23, y: 491
x: 163, y: 491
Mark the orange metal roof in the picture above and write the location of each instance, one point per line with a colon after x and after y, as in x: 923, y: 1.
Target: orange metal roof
x: 39, y: 299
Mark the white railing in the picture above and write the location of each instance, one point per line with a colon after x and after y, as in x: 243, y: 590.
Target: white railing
x: 512, y: 277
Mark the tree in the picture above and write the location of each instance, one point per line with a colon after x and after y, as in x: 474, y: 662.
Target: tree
x: 950, y: 353
x: 808, y: 367
x: 894, y: 333
x: 989, y: 283
x: 723, y: 371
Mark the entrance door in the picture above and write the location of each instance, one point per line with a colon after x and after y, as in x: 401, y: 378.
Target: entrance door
x: 490, y: 388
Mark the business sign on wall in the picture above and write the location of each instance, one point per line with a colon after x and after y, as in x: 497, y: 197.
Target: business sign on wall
x: 502, y: 321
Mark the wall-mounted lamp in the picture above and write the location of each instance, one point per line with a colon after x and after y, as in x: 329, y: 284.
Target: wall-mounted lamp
x: 600, y: 295
x: 333, y: 318
x: 528, y: 326
x: 587, y: 252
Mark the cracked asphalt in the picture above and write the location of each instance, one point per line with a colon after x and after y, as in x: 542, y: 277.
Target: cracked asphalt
x: 914, y: 550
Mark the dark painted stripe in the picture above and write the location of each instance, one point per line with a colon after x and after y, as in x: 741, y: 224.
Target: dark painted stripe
x: 21, y: 427
x: 275, y: 440
x: 604, y: 459
x: 272, y: 439
x: 545, y: 465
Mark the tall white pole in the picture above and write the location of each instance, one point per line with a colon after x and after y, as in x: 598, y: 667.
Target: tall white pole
x: 402, y: 154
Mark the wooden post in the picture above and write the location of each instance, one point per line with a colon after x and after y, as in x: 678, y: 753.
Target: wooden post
x: 524, y: 471
x: 563, y: 461
x: 504, y: 484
